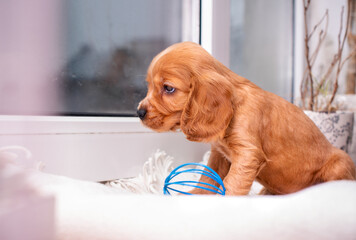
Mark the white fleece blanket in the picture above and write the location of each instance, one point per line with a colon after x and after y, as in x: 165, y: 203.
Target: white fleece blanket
x: 327, y: 211
x: 86, y: 210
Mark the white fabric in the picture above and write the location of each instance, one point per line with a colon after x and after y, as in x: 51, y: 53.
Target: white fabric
x: 25, y: 213
x: 327, y: 211
x: 154, y: 172
x: 86, y: 210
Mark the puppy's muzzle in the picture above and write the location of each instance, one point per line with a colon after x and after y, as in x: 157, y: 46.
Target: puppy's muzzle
x: 141, y: 113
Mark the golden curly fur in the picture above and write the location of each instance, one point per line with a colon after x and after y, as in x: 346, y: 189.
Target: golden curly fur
x: 254, y: 134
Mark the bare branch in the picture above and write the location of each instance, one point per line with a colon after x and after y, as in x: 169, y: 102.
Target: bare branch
x: 306, y: 41
x: 311, y: 85
x: 351, y: 54
x: 340, y: 50
x: 306, y: 6
x: 322, y: 36
x: 327, y: 74
x: 325, y: 16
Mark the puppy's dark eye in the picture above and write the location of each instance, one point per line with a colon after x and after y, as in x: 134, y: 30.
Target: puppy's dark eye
x: 168, y: 89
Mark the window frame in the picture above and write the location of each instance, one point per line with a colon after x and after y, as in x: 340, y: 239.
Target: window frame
x: 212, y: 21
x: 215, y: 22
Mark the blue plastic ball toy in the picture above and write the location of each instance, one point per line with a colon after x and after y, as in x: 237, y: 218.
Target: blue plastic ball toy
x: 169, y: 183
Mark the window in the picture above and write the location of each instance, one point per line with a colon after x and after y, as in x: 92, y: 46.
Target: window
x: 108, y: 47
x: 87, y: 57
x: 55, y: 59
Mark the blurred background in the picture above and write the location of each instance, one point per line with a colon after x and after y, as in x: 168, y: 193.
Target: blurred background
x: 89, y: 58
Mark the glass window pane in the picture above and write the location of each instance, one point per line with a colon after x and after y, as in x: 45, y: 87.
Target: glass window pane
x: 261, y: 43
x: 108, y: 47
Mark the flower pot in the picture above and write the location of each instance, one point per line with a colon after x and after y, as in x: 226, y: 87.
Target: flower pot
x: 337, y: 127
x: 348, y: 103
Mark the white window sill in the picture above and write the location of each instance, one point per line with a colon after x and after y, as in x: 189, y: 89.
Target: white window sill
x: 15, y: 125
x: 94, y: 148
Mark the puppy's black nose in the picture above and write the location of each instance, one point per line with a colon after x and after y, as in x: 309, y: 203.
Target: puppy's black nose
x: 141, y: 113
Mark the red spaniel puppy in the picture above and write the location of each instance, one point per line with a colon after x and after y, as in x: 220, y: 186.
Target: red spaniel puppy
x: 254, y: 134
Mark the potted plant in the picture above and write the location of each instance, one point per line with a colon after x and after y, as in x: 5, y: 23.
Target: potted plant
x: 318, y: 91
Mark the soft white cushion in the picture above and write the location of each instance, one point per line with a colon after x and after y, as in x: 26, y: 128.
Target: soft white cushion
x: 87, y: 210
x: 93, y: 211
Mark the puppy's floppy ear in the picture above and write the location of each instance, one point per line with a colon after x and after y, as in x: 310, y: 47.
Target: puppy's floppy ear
x: 209, y: 108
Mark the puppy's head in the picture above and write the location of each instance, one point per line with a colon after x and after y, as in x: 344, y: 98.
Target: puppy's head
x: 187, y: 89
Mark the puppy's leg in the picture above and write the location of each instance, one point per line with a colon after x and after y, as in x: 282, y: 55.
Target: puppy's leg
x: 243, y: 171
x: 220, y: 165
